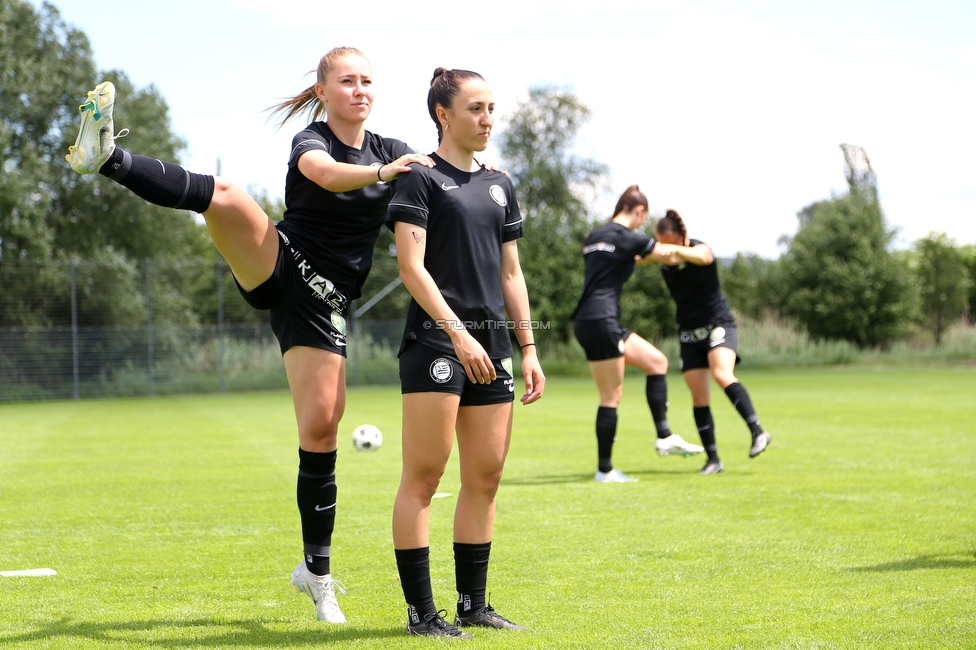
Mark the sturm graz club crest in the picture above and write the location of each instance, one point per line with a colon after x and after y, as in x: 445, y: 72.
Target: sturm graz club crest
x: 441, y: 370
x: 498, y: 195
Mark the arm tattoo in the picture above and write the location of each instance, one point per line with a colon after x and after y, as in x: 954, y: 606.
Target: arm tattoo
x: 417, y: 236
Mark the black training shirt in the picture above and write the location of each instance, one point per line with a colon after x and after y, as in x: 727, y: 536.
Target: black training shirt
x: 609, y: 255
x: 697, y: 294
x: 337, y: 230
x: 468, y: 216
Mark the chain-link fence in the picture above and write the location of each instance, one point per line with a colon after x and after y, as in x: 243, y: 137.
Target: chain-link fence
x: 109, y: 327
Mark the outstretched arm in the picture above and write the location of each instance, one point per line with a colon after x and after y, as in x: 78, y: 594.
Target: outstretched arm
x: 517, y: 307
x: 325, y: 171
x: 699, y: 254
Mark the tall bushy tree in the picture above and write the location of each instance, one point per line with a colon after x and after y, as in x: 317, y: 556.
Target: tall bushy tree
x: 969, y: 256
x: 550, y: 181
x: 48, y: 213
x: 842, y: 280
x: 44, y: 66
x: 943, y: 282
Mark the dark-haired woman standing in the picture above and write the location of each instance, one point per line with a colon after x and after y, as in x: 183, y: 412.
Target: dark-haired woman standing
x: 611, y: 252
x: 457, y: 226
x: 707, y: 334
x: 304, y: 269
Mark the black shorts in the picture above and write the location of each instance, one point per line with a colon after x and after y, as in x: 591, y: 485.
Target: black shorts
x: 601, y: 339
x: 696, y: 343
x: 426, y: 370
x: 306, y: 308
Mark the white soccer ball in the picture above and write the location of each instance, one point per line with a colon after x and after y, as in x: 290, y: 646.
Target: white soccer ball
x: 366, y: 437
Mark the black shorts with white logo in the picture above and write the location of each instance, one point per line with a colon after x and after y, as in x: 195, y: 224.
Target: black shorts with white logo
x: 601, y: 339
x: 306, y: 308
x: 426, y: 370
x: 696, y: 343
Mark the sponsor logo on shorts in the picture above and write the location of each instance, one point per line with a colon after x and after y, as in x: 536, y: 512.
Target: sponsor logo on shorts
x: 717, y: 337
x: 620, y: 346
x: 509, y: 381
x: 498, y: 195
x: 695, y: 335
x: 441, y: 370
x: 339, y: 323
x: 322, y: 288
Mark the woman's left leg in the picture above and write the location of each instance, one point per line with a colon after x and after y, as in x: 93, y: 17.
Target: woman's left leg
x: 317, y: 379
x: 721, y: 360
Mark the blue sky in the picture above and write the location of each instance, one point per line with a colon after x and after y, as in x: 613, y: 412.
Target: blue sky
x: 730, y: 112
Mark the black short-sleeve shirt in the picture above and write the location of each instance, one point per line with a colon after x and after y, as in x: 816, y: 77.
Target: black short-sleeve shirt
x: 337, y: 230
x: 609, y: 256
x: 467, y: 216
x: 697, y: 294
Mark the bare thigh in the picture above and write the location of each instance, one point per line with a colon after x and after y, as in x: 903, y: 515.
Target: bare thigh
x: 243, y: 233
x: 317, y: 379
x: 483, y: 434
x: 641, y: 353
x: 609, y: 377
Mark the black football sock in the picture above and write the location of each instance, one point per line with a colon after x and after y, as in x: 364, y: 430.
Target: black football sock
x: 657, y: 400
x: 161, y: 183
x: 606, y: 431
x: 471, y: 575
x: 706, y: 429
x: 317, y: 506
x: 740, y: 400
x: 413, y: 565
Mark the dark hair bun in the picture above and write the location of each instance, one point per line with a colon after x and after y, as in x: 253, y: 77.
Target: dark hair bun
x: 438, y: 72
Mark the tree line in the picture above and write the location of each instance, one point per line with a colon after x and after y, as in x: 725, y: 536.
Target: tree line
x: 839, y: 276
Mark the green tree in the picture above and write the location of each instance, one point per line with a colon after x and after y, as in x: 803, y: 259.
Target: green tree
x: 752, y: 284
x: 969, y: 256
x: 840, y: 277
x: 44, y: 68
x: 842, y: 281
x: 943, y: 281
x: 50, y: 214
x: 550, y: 181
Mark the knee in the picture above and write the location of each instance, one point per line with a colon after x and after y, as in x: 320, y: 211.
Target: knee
x: 424, y: 485
x: 724, y: 377
x: 659, y: 364
x: 612, y: 396
x: 319, y: 434
x: 485, y: 483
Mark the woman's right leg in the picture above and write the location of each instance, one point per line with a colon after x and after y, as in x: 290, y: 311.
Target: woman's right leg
x: 428, y: 436
x: 698, y: 383
x: 240, y: 229
x: 609, y: 377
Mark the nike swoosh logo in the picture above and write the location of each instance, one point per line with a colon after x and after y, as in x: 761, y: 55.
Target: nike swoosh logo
x: 445, y: 187
x: 321, y: 509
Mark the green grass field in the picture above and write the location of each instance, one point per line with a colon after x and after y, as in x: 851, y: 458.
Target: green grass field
x: 171, y: 522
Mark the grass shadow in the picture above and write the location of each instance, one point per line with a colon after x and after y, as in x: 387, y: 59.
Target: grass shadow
x: 213, y: 634
x: 557, y: 479
x: 923, y: 562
